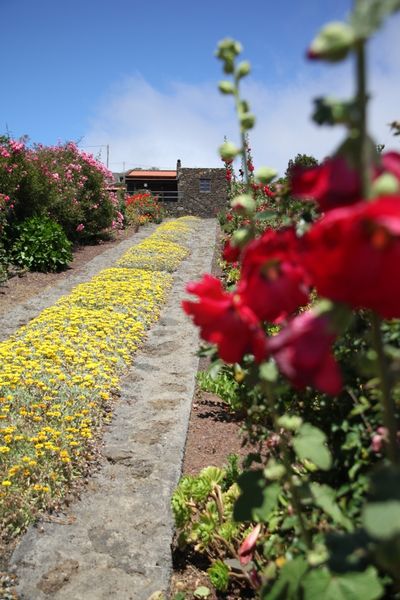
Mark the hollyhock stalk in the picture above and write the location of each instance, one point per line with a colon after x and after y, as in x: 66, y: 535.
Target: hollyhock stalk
x: 388, y: 406
x: 287, y: 462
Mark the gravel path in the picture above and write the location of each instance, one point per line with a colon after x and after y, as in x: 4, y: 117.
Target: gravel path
x: 114, y: 542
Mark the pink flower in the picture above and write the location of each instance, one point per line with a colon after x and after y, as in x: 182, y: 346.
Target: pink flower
x: 247, y: 548
x: 80, y: 227
x: 378, y: 439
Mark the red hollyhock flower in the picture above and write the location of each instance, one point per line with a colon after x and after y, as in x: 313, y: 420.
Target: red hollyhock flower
x: 353, y: 255
x: 331, y: 184
x: 302, y: 351
x: 224, y: 320
x: 391, y: 162
x: 272, y: 280
x: 230, y: 253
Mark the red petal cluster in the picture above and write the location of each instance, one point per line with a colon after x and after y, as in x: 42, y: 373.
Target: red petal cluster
x: 353, y: 255
x: 272, y: 281
x: 334, y: 183
x: 331, y: 184
x: 391, y: 163
x: 230, y: 252
x: 225, y: 320
x: 302, y: 351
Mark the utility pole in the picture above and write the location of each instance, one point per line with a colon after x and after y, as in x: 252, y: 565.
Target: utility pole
x: 108, y: 155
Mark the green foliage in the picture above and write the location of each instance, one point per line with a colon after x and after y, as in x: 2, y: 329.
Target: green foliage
x: 3, y: 264
x: 258, y: 499
x: 221, y: 383
x: 41, y: 245
x: 322, y: 583
x: 300, y: 160
x: 219, y: 575
x: 203, y: 510
x: 369, y: 15
x: 309, y: 443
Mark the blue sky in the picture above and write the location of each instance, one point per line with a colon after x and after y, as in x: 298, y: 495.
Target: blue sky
x: 141, y: 77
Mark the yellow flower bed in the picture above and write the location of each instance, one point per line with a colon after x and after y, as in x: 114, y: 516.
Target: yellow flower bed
x: 58, y: 372
x: 161, y: 250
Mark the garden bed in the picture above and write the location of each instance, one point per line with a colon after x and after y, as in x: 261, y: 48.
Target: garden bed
x: 25, y: 284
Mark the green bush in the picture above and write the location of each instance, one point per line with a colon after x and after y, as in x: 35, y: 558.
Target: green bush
x: 41, y: 245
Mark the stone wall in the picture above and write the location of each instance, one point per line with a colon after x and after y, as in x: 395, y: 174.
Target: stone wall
x: 192, y: 200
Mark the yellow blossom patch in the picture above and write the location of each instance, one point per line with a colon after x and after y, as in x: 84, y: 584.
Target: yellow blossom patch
x: 58, y: 373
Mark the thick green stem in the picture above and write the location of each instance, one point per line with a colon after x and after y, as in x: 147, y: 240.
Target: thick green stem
x: 242, y: 133
x: 388, y: 407
x: 364, y: 169
x: 305, y: 534
x: 363, y: 158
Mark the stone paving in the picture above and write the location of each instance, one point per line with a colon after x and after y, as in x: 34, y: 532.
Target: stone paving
x: 114, y: 542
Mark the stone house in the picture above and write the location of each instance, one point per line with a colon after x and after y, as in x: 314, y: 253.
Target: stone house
x: 185, y: 191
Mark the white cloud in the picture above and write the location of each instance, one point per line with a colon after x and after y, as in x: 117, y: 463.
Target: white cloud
x: 148, y: 127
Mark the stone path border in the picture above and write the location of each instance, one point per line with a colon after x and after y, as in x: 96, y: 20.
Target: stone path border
x: 114, y: 542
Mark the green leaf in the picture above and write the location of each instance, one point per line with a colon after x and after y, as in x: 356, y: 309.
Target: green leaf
x: 258, y: 498
x: 202, y: 592
x: 322, y: 584
x: 219, y: 575
x: 325, y: 497
x: 269, y: 371
x: 382, y: 519
x: 290, y: 422
x: 309, y: 443
x: 369, y: 15
x: 288, y: 583
x: 266, y: 215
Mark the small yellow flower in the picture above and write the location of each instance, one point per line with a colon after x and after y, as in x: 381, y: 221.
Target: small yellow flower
x: 280, y: 561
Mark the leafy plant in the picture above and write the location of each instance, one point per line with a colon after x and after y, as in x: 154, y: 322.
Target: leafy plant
x: 221, y: 383
x: 203, y: 509
x: 312, y: 322
x: 41, y: 245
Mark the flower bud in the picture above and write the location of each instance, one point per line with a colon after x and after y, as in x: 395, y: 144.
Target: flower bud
x: 244, y: 203
x: 243, y: 69
x: 228, y: 151
x: 241, y: 237
x: 226, y: 87
x: 333, y: 43
x: 385, y: 185
x: 265, y: 174
x: 247, y: 120
x: 227, y: 50
x: 244, y: 106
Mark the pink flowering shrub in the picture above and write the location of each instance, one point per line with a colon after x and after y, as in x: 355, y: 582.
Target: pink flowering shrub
x: 73, y: 190
x: 60, y: 182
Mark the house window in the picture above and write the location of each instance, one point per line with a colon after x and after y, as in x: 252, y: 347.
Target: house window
x: 205, y: 185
